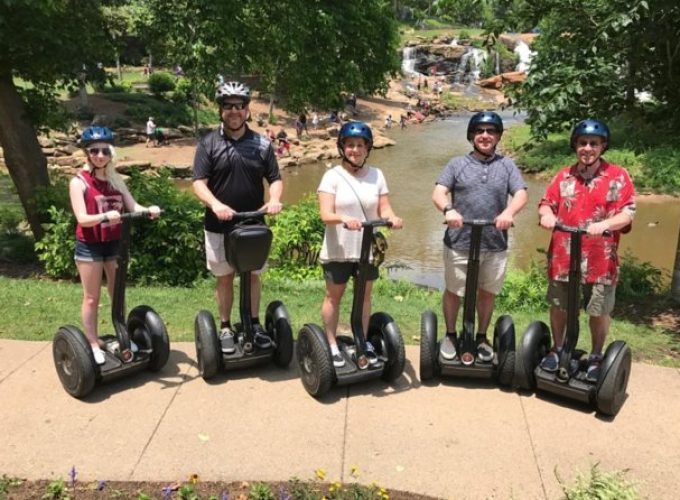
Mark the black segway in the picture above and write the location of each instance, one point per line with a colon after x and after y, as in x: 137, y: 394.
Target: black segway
x: 73, y: 356
x: 609, y: 392
x: 314, y: 353
x: 466, y: 364
x: 247, y: 248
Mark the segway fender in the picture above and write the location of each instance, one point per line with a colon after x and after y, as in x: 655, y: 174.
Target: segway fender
x: 144, y: 319
x: 428, y: 346
x: 277, y: 324
x: 534, y: 344
x: 391, y: 345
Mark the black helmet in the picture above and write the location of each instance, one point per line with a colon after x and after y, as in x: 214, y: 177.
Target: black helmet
x: 232, y: 89
x: 590, y: 127
x: 484, y: 117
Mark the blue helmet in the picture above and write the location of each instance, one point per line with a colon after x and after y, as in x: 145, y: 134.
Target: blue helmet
x: 484, y: 117
x: 96, y: 134
x: 355, y: 129
x: 590, y: 127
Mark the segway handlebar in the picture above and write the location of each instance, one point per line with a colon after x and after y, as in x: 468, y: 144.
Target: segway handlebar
x: 576, y: 230
x: 477, y: 222
x: 377, y: 223
x: 132, y: 215
x: 238, y: 216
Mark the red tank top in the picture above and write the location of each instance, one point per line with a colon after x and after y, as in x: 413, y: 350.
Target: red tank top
x: 100, y: 197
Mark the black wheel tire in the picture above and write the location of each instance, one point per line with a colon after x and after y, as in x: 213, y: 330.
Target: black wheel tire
x: 208, y: 352
x: 614, y: 375
x: 74, y: 361
x: 277, y: 324
x: 534, y: 344
x: 504, y: 345
x: 144, y: 325
x: 385, y: 336
x: 428, y: 346
x: 314, y: 359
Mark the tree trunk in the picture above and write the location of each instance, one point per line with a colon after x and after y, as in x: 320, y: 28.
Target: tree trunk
x: 24, y: 159
x: 675, y: 282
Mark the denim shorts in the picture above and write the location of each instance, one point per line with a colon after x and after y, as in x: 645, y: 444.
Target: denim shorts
x: 339, y: 273
x: 96, y: 252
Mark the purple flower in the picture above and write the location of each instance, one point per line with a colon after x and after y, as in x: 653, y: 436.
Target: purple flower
x: 73, y: 474
x: 284, y: 494
x: 100, y: 485
x: 225, y: 495
x: 167, y: 492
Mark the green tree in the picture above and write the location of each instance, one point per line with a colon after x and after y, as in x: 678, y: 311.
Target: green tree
x: 43, y: 44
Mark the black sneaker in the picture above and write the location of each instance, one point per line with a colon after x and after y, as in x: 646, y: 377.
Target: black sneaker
x: 227, y: 340
x: 593, y: 372
x: 261, y: 338
x: 338, y: 360
x: 484, y: 350
x: 447, y: 348
x: 550, y: 362
x: 371, y: 354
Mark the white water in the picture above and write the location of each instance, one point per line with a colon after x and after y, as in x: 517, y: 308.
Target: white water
x: 525, y: 55
x: 408, y: 62
x: 470, y: 65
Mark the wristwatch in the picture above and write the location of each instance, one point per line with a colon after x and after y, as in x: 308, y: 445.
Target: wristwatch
x: 448, y: 207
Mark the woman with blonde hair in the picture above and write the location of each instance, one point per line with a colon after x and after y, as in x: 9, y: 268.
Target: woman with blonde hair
x: 98, y: 197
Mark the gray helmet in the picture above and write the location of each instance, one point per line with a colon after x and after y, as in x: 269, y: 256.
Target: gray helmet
x: 232, y: 89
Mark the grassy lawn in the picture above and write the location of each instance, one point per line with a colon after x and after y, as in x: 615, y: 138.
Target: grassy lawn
x: 33, y: 309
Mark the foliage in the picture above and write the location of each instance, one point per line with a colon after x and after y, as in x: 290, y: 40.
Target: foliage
x: 298, y: 235
x: 55, y: 250
x: 600, y: 485
x: 261, y: 491
x: 166, y: 113
x: 161, y: 82
x: 638, y: 280
x: 56, y: 490
x: 524, y: 290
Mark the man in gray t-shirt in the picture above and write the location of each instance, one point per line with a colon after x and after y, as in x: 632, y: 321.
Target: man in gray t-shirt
x: 481, y: 185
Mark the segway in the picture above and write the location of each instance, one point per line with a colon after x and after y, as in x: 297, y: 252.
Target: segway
x: 247, y: 248
x: 609, y: 392
x: 314, y: 353
x: 466, y: 364
x: 72, y: 353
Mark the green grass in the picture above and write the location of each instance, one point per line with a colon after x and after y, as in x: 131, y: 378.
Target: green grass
x: 408, y: 32
x: 34, y: 309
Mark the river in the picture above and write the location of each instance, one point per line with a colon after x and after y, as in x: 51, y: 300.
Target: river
x: 413, y: 165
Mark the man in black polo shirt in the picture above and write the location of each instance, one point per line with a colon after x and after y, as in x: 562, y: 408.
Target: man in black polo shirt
x: 229, y: 167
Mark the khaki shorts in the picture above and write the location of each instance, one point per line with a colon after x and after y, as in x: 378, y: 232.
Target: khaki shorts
x: 216, y: 256
x: 491, y: 270
x: 598, y: 299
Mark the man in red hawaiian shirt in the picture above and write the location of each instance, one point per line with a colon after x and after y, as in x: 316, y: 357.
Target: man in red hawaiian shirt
x: 597, y: 196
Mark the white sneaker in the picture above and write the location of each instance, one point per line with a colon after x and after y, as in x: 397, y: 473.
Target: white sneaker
x: 98, y: 354
x: 133, y: 346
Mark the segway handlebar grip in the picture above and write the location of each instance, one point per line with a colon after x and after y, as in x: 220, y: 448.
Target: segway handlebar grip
x: 248, y: 215
x: 137, y: 215
x: 576, y: 230
x: 479, y: 222
x: 377, y: 223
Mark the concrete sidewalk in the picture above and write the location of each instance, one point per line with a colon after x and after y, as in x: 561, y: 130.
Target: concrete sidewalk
x: 456, y: 438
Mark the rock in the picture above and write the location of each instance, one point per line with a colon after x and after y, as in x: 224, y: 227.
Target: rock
x: 382, y: 141
x: 454, y: 52
x: 48, y: 151
x: 127, y: 166
x: 45, y: 142
x: 186, y: 130
x: 497, y: 81
x: 67, y: 161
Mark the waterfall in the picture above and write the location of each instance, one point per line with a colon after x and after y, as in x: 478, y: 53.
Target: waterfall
x: 470, y: 65
x: 525, y: 54
x: 408, y: 62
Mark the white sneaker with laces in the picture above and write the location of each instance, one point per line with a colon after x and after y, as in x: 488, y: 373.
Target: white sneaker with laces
x: 98, y: 354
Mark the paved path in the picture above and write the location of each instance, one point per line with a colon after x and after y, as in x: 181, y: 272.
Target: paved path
x: 454, y: 439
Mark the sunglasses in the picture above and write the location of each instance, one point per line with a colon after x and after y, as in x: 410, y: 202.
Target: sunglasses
x: 240, y: 106
x: 96, y: 151
x: 490, y: 131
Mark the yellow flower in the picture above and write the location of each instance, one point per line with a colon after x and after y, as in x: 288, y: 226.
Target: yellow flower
x: 354, y: 470
x: 193, y: 478
x: 320, y: 474
x: 335, y: 486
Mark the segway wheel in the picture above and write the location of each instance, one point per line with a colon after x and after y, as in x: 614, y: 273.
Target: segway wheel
x: 428, y: 346
x: 146, y: 328
x: 314, y: 360
x: 534, y: 344
x: 385, y: 336
x: 504, y: 346
x: 74, y: 361
x: 277, y: 324
x: 208, y: 352
x: 614, y: 374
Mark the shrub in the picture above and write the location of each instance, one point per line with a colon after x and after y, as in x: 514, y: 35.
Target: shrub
x: 524, y: 290
x: 639, y: 280
x: 600, y: 485
x: 161, y: 82
x: 298, y: 235
x: 56, y: 248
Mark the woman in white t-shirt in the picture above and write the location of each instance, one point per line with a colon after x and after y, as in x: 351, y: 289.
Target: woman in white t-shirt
x: 350, y: 194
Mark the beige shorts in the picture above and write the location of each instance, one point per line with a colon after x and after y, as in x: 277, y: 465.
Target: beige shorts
x: 598, y: 299
x: 491, y: 270
x: 216, y: 257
